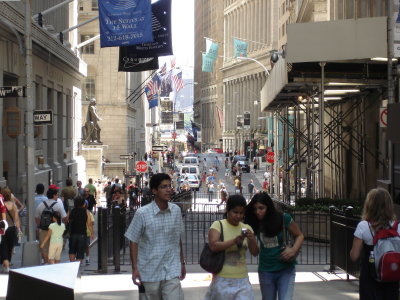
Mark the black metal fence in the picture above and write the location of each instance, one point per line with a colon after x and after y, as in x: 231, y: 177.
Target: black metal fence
x: 328, y: 235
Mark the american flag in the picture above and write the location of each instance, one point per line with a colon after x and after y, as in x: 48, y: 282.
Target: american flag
x: 163, y: 70
x: 173, y: 62
x: 178, y: 82
x: 153, y: 85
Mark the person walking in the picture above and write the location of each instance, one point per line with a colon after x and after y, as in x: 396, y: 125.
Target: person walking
x: 224, y: 195
x: 232, y: 282
x: 79, y: 220
x: 255, y: 165
x: 378, y: 213
x: 10, y: 238
x: 250, y: 187
x: 68, y: 195
x: 155, y: 236
x: 55, y: 236
x: 276, y: 269
x: 210, y: 191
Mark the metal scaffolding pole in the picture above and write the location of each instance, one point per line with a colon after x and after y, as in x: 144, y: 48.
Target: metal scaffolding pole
x: 321, y: 193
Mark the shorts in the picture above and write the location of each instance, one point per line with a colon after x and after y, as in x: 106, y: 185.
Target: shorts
x: 55, y: 251
x: 77, y: 245
x: 42, y: 235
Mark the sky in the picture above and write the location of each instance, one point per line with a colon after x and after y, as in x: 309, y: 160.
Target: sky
x: 182, y: 36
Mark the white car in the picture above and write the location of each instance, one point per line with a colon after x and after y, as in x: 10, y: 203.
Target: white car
x: 194, y: 182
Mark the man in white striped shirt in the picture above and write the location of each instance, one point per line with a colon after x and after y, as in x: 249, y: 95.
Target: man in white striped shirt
x: 155, y: 244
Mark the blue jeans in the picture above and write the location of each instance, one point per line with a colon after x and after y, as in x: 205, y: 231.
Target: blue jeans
x: 280, y: 283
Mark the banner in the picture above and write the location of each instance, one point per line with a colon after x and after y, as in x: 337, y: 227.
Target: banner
x: 154, y: 101
x: 211, y: 49
x: 207, y: 63
x: 240, y: 48
x: 161, y: 23
x: 166, y: 85
x: 125, y: 22
x: 131, y: 64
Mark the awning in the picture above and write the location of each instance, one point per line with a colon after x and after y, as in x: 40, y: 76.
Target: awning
x: 346, y: 46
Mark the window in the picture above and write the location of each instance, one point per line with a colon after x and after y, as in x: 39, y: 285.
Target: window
x: 95, y: 5
x: 89, y: 48
x: 81, y: 5
x: 90, y: 87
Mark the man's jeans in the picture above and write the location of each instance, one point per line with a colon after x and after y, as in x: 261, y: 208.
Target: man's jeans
x: 164, y: 289
x: 280, y: 282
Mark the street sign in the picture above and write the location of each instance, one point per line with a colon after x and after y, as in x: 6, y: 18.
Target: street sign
x: 270, y: 157
x: 141, y: 166
x: 126, y: 156
x: 12, y: 91
x: 42, y: 117
x: 159, y: 148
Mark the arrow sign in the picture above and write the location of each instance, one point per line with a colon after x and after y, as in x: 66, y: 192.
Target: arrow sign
x: 159, y: 148
x: 126, y: 156
x: 43, y: 117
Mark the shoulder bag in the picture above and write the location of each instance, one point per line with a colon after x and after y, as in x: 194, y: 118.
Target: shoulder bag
x: 211, y: 261
x: 284, y: 237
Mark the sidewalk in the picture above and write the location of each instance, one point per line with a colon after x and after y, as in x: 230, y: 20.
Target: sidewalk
x: 311, y: 283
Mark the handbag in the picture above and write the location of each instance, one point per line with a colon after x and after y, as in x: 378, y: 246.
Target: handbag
x: 210, y: 261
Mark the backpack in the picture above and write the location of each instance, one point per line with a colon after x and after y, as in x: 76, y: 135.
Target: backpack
x: 386, y: 254
x: 46, y: 216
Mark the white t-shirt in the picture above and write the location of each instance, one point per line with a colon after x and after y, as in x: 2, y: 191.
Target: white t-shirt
x: 364, y: 233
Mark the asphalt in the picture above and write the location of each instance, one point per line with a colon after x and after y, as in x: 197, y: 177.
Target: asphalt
x: 312, y: 281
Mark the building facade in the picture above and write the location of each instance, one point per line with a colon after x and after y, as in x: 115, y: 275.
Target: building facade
x: 57, y: 76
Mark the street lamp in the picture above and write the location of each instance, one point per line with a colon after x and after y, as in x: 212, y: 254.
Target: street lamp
x: 256, y: 61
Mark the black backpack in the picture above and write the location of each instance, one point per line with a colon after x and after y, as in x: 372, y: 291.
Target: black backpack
x: 46, y: 216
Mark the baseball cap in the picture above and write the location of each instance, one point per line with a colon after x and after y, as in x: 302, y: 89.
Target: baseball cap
x: 53, y: 187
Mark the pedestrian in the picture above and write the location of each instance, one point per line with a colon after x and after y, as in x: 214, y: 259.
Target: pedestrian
x: 210, y: 191
x: 204, y: 181
x: 91, y: 188
x: 146, y: 194
x: 155, y: 236
x: 90, y: 202
x: 265, y: 185
x: 79, y: 220
x: 232, y: 282
x: 10, y: 238
x: 39, y: 197
x: 79, y: 188
x: 237, y: 184
x: 276, y: 269
x: 224, y: 195
x: 89, y: 236
x: 255, y: 166
x: 42, y: 211
x: 250, y: 187
x: 55, y: 236
x: 378, y: 213
x: 68, y: 194
x: 107, y: 192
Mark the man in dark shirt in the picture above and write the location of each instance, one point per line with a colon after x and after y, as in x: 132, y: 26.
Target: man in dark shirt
x: 90, y: 201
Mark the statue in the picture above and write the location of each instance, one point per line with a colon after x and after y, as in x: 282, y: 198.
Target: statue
x: 91, y: 130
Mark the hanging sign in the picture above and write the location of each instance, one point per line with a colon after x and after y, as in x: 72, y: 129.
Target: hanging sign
x: 125, y: 22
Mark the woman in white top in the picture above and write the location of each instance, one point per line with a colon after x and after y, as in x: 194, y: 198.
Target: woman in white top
x: 378, y: 213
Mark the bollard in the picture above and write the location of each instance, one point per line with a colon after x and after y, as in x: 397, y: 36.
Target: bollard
x: 116, y: 219
x: 102, y: 240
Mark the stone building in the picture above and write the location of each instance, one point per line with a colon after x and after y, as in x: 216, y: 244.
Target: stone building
x: 57, y: 77
x: 120, y: 132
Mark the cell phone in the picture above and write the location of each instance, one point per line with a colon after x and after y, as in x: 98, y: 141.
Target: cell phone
x: 244, y: 231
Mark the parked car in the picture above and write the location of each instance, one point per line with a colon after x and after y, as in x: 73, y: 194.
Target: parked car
x: 244, y: 166
x: 194, y: 182
x: 237, y: 158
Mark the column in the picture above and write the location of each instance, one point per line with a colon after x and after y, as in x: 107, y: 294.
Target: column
x: 2, y: 179
x: 52, y: 130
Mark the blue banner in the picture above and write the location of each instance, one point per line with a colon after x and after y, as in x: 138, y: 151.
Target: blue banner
x: 161, y: 23
x: 211, y: 49
x: 125, y: 22
x: 154, y: 101
x: 207, y: 63
x: 240, y: 48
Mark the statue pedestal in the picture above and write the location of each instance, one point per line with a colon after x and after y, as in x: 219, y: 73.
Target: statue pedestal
x: 93, y: 154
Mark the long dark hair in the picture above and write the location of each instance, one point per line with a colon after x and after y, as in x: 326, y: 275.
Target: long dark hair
x: 57, y: 216
x: 271, y: 224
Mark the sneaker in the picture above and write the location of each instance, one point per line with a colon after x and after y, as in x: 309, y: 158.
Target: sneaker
x: 87, y: 261
x: 6, y: 270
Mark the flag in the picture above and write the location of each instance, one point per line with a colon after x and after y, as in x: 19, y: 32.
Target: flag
x: 124, y: 23
x: 166, y: 85
x: 240, y: 48
x: 173, y: 62
x: 211, y: 49
x: 207, y: 63
x: 153, y: 102
x: 178, y: 81
x: 163, y: 69
x: 151, y: 91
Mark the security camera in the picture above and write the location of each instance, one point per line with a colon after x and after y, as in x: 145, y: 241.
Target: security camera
x: 274, y: 57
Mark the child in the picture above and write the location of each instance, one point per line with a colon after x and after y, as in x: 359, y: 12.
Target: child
x: 55, y: 234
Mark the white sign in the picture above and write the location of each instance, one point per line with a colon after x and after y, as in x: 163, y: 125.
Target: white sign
x: 43, y: 117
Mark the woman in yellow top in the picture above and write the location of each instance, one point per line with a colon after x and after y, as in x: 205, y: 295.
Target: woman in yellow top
x: 232, y: 282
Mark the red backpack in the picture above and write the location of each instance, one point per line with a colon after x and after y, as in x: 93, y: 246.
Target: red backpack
x: 386, y: 254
